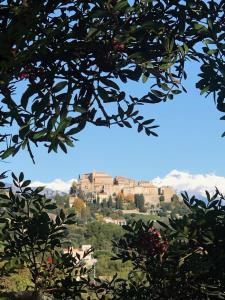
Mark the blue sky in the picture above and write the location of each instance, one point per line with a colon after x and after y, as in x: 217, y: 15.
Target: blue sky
x: 189, y: 140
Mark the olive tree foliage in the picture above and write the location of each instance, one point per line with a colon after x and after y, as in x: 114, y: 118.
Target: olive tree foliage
x: 72, y: 60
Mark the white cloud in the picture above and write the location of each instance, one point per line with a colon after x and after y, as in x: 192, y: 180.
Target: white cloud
x: 192, y: 183
x: 55, y: 185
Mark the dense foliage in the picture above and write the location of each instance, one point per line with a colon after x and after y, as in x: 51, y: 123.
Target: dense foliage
x: 34, y: 241
x: 71, y: 59
x: 182, y: 260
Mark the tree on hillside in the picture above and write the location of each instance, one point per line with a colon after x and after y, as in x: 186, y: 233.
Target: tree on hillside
x: 175, y: 198
x: 100, y: 234
x: 121, y: 195
x: 73, y: 188
x: 104, y: 203
x: 120, y: 200
x: 71, y: 59
x: 79, y: 204
x: 85, y: 214
x: 98, y: 202
x: 119, y: 203
x: 161, y: 198
x: 62, y: 200
x: 129, y: 198
x: 110, y: 202
x: 139, y: 201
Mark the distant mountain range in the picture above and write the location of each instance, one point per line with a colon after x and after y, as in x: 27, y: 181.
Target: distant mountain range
x: 49, y: 193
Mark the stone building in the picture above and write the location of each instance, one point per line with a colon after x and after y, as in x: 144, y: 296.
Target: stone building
x: 118, y: 221
x: 84, y: 253
x: 167, y: 192
x: 101, y: 186
x: 95, y: 182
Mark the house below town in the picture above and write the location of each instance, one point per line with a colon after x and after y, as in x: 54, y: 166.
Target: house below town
x: 118, y: 221
x: 83, y: 253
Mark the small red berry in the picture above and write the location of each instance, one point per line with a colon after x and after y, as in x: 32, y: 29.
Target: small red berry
x: 50, y: 260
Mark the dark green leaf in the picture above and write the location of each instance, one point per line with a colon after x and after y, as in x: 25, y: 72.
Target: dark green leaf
x: 59, y: 86
x: 25, y: 183
x: 110, y: 83
x: 31, y: 90
x: 8, y: 152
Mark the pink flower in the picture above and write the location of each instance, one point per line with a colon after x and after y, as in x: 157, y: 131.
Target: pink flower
x: 118, y: 46
x: 163, y: 247
x: 155, y: 232
x: 151, y: 242
x: 24, y: 75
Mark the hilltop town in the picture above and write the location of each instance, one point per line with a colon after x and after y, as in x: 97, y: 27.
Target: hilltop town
x: 99, y: 186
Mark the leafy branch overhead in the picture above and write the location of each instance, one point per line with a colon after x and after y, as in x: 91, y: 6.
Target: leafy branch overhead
x: 72, y: 60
